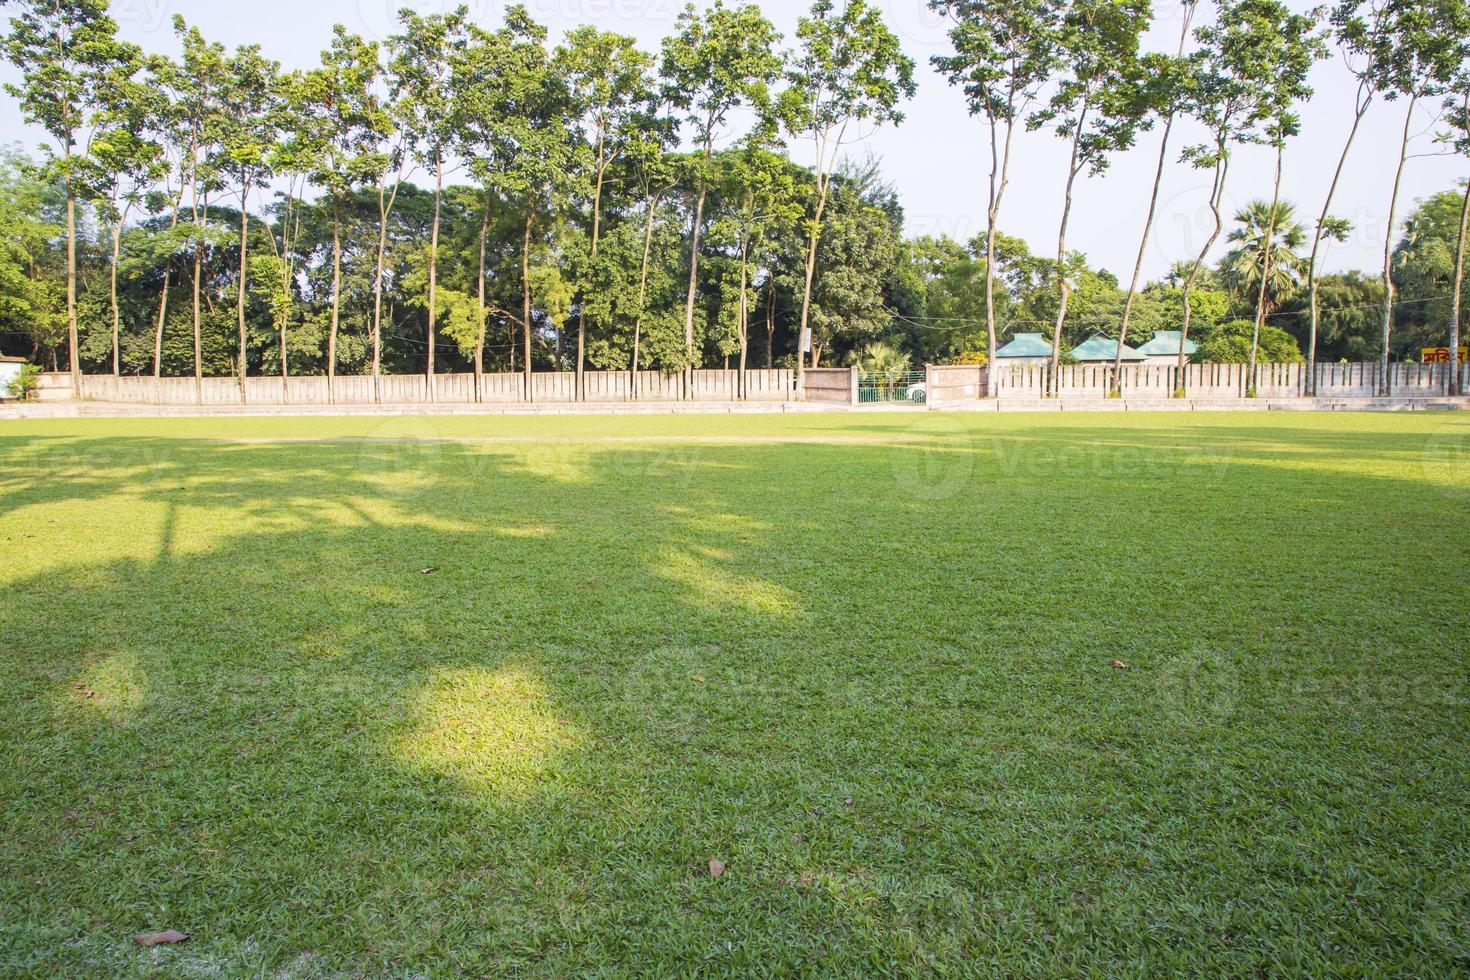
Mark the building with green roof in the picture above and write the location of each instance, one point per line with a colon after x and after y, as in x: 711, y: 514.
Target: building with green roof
x: 1098, y: 349
x: 1025, y: 348
x: 1164, y: 348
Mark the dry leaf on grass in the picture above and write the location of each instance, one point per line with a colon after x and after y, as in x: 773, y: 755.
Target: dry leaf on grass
x: 166, y: 938
x: 1120, y: 665
x: 716, y: 868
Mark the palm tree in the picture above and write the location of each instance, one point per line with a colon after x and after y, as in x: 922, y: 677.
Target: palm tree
x: 1266, y: 245
x: 890, y: 364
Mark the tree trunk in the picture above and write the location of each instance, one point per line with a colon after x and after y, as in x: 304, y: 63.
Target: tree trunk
x: 72, y: 351
x: 806, y: 291
x: 1385, y: 388
x: 480, y: 305
x: 1116, y: 384
x: 526, y: 298
x: 116, y: 313
x: 744, y: 314
x: 1364, y: 101
x: 1065, y: 287
x: 289, y: 236
x: 642, y: 294
x: 240, y: 302
x: 168, y: 268
x: 999, y: 177
x: 771, y: 324
x: 1270, y: 243
x: 1454, y: 381
x: 596, y: 236
x: 336, y: 303
x: 434, y: 267
x: 201, y: 219
x: 385, y: 208
x: 693, y: 279
x: 1217, y: 193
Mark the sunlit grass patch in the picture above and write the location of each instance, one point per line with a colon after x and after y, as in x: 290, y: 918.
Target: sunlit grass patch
x: 495, y: 730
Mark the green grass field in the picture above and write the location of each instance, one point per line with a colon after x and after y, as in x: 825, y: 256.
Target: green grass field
x: 337, y: 696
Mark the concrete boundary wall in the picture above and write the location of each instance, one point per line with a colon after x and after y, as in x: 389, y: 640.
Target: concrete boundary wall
x: 954, y: 383
x: 832, y: 386
x: 761, y: 385
x: 1357, y: 380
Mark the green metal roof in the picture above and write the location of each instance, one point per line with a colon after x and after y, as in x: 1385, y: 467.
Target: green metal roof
x: 1100, y: 348
x: 1166, y: 344
x: 1025, y: 345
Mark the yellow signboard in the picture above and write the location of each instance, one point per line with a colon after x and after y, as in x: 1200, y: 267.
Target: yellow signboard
x: 1441, y: 355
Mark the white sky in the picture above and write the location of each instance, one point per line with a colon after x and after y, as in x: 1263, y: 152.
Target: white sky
x: 938, y: 157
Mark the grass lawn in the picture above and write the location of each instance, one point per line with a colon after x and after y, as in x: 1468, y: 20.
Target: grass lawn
x: 332, y: 697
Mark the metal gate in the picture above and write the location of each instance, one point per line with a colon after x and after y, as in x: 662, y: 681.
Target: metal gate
x: 875, y: 387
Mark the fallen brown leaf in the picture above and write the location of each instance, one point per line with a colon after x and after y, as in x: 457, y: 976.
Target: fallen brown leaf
x: 1120, y: 665
x: 716, y: 868
x: 166, y: 938
x: 429, y: 571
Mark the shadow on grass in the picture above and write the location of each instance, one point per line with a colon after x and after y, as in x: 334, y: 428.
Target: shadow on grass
x: 397, y: 707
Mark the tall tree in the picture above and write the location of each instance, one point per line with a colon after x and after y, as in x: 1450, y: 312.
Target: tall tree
x: 761, y: 198
x: 423, y: 87
x: 246, y: 136
x: 172, y: 132
x: 201, y: 79
x: 655, y: 177
x: 1004, y: 51
x: 610, y: 88
x: 849, y: 73
x: 1364, y: 45
x: 1457, y: 117
x: 517, y: 119
x: 126, y: 162
x: 1231, y: 96
x: 713, y: 65
x: 1427, y: 42
x: 341, y: 128
x: 66, y: 50
x: 1166, y: 96
x: 1099, y: 105
x: 1300, y: 48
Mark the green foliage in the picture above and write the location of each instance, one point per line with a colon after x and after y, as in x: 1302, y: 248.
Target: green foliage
x: 717, y: 62
x: 1230, y: 343
x: 32, y: 290
x: 1424, y: 272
